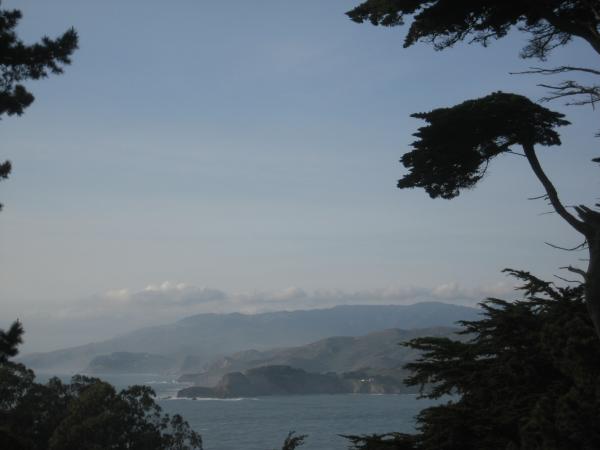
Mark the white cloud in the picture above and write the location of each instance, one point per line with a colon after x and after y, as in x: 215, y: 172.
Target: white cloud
x: 118, y: 295
x: 172, y: 300
x: 176, y: 294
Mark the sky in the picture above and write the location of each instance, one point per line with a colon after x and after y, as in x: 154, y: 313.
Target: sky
x: 242, y: 156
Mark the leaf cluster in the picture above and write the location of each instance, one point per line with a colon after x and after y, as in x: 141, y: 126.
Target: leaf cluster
x: 550, y: 23
x: 20, y: 62
x: 452, y: 152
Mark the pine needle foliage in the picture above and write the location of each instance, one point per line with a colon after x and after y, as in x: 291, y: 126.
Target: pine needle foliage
x: 527, y: 378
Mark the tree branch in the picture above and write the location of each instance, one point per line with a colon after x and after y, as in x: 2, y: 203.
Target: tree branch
x: 576, y: 270
x: 551, y: 190
x: 567, y: 27
x: 581, y: 246
x: 567, y: 280
x: 539, y: 197
x: 555, y: 70
x: 571, y: 88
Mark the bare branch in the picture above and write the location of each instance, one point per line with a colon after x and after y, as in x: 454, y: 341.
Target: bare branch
x: 576, y: 270
x: 568, y: 88
x: 539, y: 197
x: 571, y: 88
x: 567, y: 280
x: 556, y: 70
x: 581, y: 246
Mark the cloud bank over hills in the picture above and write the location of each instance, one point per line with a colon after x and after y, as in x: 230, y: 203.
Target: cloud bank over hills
x: 55, y: 325
x: 185, y: 298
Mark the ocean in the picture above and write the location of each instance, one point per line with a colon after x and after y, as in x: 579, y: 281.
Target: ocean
x: 263, y: 423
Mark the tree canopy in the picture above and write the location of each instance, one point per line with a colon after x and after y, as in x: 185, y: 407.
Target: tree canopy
x: 20, y: 62
x: 527, y: 377
x: 549, y: 23
x: 86, y: 414
x: 453, y: 151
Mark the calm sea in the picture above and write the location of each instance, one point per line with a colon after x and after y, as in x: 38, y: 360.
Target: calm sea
x: 262, y: 423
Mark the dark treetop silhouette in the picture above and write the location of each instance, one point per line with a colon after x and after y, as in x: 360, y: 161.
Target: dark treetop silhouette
x: 549, y: 23
x: 85, y: 414
x: 482, y: 129
x: 20, y: 62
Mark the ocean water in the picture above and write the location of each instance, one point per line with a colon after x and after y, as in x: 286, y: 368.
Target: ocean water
x: 263, y: 423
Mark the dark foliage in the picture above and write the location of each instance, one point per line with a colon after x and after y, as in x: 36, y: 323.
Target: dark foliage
x: 454, y: 149
x: 549, y: 23
x: 20, y: 62
x: 293, y: 441
x: 529, y: 378
x: 390, y: 441
x: 85, y: 414
x: 10, y: 341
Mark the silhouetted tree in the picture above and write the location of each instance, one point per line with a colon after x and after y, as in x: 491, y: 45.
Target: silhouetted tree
x: 528, y: 378
x: 453, y: 151
x: 85, y: 414
x: 549, y: 23
x: 20, y: 62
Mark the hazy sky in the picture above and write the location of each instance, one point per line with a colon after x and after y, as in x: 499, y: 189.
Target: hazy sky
x: 251, y: 149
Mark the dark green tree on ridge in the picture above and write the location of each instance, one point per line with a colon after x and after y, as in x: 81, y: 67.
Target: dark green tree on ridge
x: 20, y: 62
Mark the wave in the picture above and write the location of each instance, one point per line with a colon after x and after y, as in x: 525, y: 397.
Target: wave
x: 209, y: 399
x: 165, y: 382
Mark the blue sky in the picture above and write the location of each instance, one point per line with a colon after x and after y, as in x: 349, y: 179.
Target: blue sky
x: 253, y: 147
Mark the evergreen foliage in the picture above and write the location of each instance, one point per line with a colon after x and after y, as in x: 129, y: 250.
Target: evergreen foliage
x: 549, y: 23
x: 86, y: 414
x: 454, y: 149
x: 20, y: 62
x: 528, y: 378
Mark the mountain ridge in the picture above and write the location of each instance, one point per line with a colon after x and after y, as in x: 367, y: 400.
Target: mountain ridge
x: 204, y: 337
x: 378, y: 352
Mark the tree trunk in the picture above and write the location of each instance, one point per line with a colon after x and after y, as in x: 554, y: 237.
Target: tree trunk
x: 588, y: 225
x: 591, y: 219
x: 592, y: 282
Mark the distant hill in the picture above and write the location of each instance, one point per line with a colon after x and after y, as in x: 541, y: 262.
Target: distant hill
x: 376, y: 353
x: 285, y: 380
x: 196, y: 340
